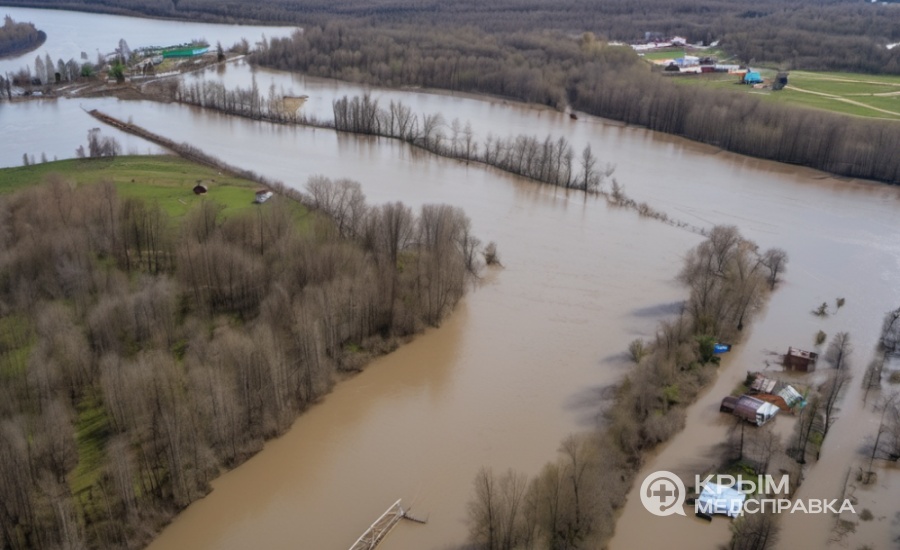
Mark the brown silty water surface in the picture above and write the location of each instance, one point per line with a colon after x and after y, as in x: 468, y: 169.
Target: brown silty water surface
x: 838, y: 234
x: 519, y: 365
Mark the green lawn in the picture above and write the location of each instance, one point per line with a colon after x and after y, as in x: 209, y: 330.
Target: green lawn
x: 845, y: 93
x: 877, y: 78
x: 166, y: 179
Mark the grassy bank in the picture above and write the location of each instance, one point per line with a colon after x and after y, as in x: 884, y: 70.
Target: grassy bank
x: 874, y: 96
x: 166, y: 179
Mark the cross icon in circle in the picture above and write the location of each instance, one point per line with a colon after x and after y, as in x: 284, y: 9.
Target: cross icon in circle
x: 663, y: 493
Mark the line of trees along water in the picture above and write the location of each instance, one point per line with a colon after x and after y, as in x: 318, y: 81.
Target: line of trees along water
x: 548, y: 160
x: 571, y: 503
x: 140, y: 357
x: 803, y: 34
x: 591, y: 76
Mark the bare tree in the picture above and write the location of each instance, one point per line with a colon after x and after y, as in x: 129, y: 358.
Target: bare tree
x: 343, y: 201
x: 495, y: 513
x: 889, y: 409
x: 839, y: 350
x: 754, y: 532
x: 890, y: 332
x: 637, y: 350
x: 766, y: 446
x: 809, y: 416
x: 589, y: 179
x: 831, y: 392
x: 470, y: 147
x: 872, y: 378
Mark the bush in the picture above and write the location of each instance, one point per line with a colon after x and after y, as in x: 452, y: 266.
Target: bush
x: 637, y: 350
x: 820, y: 337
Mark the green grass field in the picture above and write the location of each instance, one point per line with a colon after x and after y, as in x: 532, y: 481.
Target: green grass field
x: 166, y: 179
x: 875, y: 96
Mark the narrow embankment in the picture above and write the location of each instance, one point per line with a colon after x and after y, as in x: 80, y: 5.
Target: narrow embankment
x: 189, y: 152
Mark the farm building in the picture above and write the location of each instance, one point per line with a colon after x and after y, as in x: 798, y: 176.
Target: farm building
x: 687, y: 61
x: 753, y: 410
x: 791, y: 396
x: 800, y: 360
x: 782, y: 395
x: 751, y: 77
x: 189, y: 51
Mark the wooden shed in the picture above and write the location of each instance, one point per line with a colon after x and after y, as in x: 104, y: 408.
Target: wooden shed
x: 782, y: 395
x: 800, y: 360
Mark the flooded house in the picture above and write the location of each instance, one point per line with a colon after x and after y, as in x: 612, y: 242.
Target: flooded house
x: 719, y: 499
x: 800, y: 360
x: 778, y: 393
x: 753, y: 410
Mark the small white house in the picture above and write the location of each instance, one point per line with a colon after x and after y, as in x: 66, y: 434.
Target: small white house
x: 262, y: 196
x: 718, y: 499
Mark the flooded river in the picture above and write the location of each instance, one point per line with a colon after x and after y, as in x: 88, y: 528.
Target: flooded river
x: 519, y: 365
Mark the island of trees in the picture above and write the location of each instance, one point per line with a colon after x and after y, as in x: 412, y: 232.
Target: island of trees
x: 141, y: 355
x: 19, y: 38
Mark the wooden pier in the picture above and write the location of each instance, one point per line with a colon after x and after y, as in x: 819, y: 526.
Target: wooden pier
x: 382, y: 526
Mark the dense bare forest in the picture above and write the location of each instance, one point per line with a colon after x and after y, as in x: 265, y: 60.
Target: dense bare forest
x: 571, y: 503
x: 808, y: 34
x: 139, y: 357
x: 16, y: 38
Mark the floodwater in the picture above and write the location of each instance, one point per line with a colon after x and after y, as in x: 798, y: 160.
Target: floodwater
x: 519, y: 364
x: 69, y: 34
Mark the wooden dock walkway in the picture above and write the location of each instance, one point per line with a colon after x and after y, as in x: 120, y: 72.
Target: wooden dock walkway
x: 382, y: 526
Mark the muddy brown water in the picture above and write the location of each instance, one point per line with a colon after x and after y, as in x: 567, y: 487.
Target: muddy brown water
x: 520, y: 364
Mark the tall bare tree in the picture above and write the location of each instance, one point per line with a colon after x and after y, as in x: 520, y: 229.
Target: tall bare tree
x: 839, y: 350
